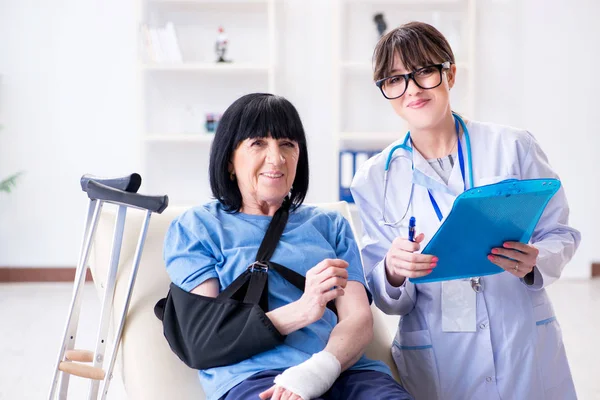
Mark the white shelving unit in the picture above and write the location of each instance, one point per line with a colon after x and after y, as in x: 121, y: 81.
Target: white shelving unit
x: 209, y: 68
x: 179, y: 138
x: 363, y: 119
x: 176, y: 95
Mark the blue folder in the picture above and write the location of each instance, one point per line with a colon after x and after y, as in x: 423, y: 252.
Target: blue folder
x: 483, y: 218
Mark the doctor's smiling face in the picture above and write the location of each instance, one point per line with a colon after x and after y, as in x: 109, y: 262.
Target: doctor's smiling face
x: 425, y: 105
x: 422, y: 98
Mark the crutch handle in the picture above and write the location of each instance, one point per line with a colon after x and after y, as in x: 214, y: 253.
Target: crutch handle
x: 82, y: 370
x: 79, y: 355
x: 98, y: 191
x: 130, y: 183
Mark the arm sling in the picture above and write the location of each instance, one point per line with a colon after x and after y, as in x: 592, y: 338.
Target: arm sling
x: 208, y: 332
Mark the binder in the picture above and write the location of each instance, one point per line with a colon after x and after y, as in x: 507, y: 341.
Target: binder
x: 350, y: 162
x: 359, y: 159
x: 346, y: 174
x: 483, y: 218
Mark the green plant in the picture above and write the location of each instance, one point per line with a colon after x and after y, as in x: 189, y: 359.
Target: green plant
x: 9, y: 183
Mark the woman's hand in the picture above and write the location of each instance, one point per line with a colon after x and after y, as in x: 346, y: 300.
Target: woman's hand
x: 401, y: 262
x: 278, y: 393
x: 524, y: 258
x: 307, y: 380
x: 324, y: 282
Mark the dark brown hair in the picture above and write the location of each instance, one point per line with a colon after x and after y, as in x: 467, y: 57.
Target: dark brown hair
x: 417, y: 44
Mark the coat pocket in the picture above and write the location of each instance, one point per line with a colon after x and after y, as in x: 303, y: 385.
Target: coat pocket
x: 415, y: 360
x: 552, y: 365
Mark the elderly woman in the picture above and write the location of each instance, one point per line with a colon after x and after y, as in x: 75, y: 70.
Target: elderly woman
x: 259, y: 168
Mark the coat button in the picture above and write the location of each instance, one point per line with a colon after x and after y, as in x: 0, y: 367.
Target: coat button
x: 482, y: 325
x: 488, y: 379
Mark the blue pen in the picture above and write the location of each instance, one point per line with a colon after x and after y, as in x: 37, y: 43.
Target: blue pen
x: 411, y: 229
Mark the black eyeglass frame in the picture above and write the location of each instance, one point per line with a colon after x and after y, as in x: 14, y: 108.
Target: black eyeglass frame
x: 407, y: 77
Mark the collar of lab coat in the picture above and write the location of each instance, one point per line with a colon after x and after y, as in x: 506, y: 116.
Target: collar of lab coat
x: 424, y: 174
x: 456, y: 183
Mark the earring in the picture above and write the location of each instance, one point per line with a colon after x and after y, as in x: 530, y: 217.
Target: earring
x: 232, y: 176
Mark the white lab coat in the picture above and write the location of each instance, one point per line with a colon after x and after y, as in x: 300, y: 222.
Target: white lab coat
x: 517, y: 351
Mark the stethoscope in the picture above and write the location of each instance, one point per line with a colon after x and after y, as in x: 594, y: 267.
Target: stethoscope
x: 475, y: 282
x: 405, y: 146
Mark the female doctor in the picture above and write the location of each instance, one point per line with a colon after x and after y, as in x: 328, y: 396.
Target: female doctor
x: 492, y: 337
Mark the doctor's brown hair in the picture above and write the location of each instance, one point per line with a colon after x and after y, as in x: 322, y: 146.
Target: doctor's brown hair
x: 418, y: 44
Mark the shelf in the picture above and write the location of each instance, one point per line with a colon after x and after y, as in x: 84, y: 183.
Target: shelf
x: 362, y: 122
x: 180, y: 138
x: 211, y: 2
x: 175, y: 94
x: 370, y: 136
x: 411, y: 3
x: 208, y: 67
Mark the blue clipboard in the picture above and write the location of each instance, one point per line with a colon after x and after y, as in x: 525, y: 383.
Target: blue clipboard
x: 483, y: 218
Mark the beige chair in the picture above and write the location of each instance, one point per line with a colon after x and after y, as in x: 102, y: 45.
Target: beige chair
x: 148, y: 368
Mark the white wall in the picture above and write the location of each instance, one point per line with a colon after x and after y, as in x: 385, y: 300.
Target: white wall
x: 68, y: 108
x: 561, y: 103
x: 305, y: 58
x: 69, y: 100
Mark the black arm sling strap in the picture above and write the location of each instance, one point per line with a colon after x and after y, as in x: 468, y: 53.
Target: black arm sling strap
x: 207, y: 332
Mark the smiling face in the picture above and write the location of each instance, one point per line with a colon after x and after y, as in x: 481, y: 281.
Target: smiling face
x: 265, y: 169
x: 423, y: 108
x: 259, y: 156
x: 406, y: 49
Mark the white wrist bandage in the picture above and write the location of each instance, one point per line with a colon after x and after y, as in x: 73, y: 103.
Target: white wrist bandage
x: 313, y: 377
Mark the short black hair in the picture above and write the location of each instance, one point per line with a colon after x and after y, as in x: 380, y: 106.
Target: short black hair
x: 252, y: 116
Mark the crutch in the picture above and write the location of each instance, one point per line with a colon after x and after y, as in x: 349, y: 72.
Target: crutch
x: 71, y: 361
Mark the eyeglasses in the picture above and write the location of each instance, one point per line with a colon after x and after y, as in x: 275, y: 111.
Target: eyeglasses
x: 428, y: 77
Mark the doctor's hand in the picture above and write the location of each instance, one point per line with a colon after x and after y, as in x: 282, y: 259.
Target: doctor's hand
x: 401, y: 262
x: 524, y: 258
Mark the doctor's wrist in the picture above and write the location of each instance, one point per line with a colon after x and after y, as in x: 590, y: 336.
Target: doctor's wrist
x: 392, y: 278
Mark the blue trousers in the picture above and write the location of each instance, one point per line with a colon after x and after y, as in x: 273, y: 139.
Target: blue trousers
x: 353, y: 385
